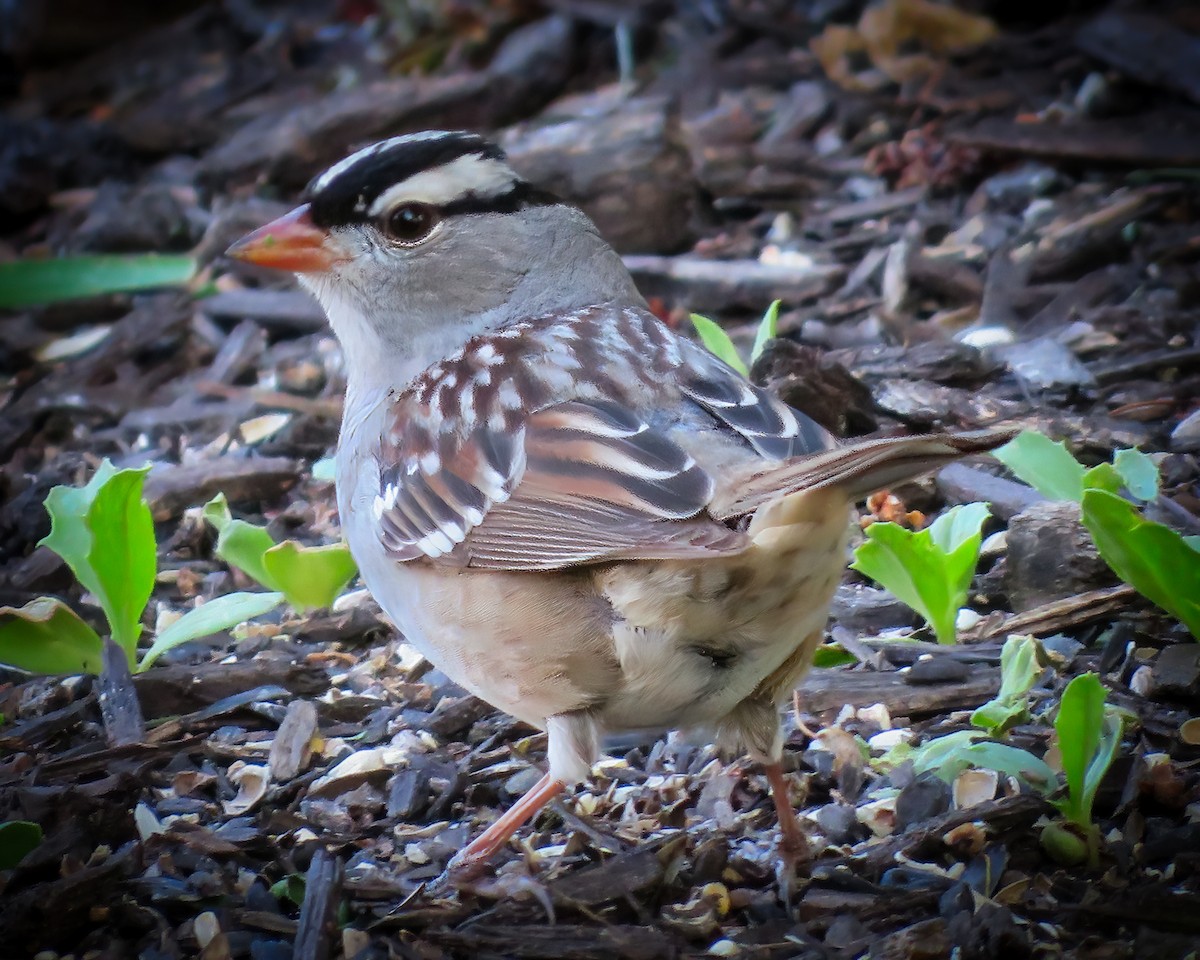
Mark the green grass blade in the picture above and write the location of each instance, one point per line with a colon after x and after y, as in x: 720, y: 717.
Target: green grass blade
x: 26, y: 283
x: 220, y: 613
x: 717, y: 340
x: 766, y: 330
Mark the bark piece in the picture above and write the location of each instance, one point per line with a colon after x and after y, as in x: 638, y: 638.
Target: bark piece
x: 824, y: 690
x: 173, y: 690
x: 316, y: 931
x: 622, y: 161
x: 716, y: 285
x: 959, y: 483
x: 1177, y: 671
x: 1146, y: 48
x: 172, y: 490
x: 1061, y: 615
x: 292, y: 311
x: 1111, y: 141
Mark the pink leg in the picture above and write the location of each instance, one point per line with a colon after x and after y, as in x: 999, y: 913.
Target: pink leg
x: 794, y: 844
x: 467, y: 864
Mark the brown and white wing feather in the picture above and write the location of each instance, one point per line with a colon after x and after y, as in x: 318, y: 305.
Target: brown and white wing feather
x: 576, y: 482
x: 770, y: 426
x: 533, y: 448
x: 600, y: 484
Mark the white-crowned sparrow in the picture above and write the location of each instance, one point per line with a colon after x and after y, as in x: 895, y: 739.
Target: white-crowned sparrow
x: 582, y: 517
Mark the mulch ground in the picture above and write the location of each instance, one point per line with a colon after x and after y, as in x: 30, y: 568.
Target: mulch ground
x: 1008, y: 233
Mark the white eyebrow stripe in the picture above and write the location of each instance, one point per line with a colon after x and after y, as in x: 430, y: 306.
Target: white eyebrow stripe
x: 473, y: 173
x: 345, y: 164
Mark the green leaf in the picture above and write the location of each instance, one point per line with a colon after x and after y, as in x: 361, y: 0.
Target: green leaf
x: 766, y: 330
x: 930, y: 570
x: 996, y: 716
x: 290, y: 888
x: 718, y: 342
x: 24, y: 283
x: 943, y: 755
x: 1080, y: 726
x: 1018, y: 666
x: 831, y: 655
x: 950, y: 755
x: 239, y: 543
x: 17, y: 839
x: 46, y: 636
x: 1139, y: 473
x: 959, y: 526
x: 1046, y: 466
x: 1019, y: 670
x: 1103, y: 476
x: 1014, y: 761
x: 220, y: 613
x: 105, y: 533
x: 309, y: 577
x: 1152, y: 558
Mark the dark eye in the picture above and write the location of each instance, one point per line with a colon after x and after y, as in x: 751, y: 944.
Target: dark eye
x: 410, y: 222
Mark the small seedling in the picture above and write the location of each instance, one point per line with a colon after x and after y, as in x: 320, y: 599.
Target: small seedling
x: 1019, y: 670
x: 105, y: 534
x: 713, y: 336
x: 308, y: 577
x: 1155, y: 560
x: 946, y: 757
x: 290, y: 888
x: 929, y: 570
x: 1089, y: 733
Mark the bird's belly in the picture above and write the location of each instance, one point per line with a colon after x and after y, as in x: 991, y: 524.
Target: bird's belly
x: 532, y: 646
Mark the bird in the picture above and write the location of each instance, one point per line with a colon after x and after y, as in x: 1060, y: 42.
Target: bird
x: 578, y: 514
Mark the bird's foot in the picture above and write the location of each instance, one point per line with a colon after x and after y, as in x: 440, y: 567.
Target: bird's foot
x: 511, y: 881
x: 468, y: 865
x: 794, y: 851
x: 461, y: 873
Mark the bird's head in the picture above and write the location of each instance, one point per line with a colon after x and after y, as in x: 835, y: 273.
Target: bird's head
x: 414, y: 244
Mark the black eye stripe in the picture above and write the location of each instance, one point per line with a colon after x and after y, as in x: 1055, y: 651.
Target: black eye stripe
x: 399, y: 223
x: 522, y: 195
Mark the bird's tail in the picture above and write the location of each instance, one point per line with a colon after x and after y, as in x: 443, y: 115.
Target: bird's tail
x: 856, y: 469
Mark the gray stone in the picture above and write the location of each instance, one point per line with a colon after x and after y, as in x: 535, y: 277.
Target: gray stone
x: 1051, y: 556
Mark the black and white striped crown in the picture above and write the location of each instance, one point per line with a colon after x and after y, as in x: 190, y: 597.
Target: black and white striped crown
x: 454, y: 171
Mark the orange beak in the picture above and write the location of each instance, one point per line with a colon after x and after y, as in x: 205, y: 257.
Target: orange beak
x: 292, y: 242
